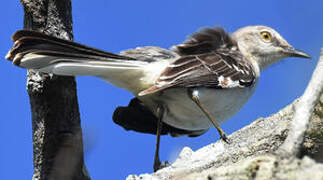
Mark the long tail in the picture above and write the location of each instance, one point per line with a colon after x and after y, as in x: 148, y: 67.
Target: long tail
x: 35, y: 50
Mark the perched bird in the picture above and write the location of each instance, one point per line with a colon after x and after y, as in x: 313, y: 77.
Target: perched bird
x: 205, y: 81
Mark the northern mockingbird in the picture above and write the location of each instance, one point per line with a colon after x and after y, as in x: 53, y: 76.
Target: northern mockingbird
x: 207, y: 80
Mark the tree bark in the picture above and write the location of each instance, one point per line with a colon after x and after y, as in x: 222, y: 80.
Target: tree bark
x: 57, y: 133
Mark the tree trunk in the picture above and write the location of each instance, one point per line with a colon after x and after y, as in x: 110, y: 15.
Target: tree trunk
x: 57, y: 133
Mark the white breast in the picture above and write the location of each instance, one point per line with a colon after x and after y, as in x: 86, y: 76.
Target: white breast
x: 181, y: 112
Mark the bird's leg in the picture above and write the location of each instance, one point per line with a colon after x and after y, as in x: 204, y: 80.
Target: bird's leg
x: 194, y: 94
x: 157, y: 164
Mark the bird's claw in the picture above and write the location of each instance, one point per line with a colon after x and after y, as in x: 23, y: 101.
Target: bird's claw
x: 225, y: 138
x: 160, y: 165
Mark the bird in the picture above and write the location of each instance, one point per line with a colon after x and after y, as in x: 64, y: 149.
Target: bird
x: 201, y: 83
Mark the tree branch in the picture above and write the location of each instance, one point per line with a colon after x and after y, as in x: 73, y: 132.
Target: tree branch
x: 303, y: 112
x: 57, y: 133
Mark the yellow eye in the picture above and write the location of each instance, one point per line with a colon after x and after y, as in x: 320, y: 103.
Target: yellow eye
x: 266, y: 36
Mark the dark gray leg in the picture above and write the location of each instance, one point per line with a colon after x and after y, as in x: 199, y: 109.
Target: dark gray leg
x: 194, y: 94
x: 157, y: 164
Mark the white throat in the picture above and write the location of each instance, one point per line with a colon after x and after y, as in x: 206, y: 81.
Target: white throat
x: 264, y: 62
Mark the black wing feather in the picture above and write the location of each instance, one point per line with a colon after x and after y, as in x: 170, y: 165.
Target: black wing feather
x: 206, y: 40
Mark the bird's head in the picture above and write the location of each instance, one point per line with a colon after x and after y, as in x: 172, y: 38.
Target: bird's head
x: 264, y: 45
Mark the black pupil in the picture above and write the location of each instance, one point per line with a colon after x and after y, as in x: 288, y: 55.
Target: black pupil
x: 266, y: 36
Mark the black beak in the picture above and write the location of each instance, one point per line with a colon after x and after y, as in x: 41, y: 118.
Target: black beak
x: 292, y: 52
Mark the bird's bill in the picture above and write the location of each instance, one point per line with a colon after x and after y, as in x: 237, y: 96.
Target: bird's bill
x: 292, y: 52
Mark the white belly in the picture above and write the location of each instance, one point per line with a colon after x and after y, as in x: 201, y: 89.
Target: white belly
x: 181, y: 112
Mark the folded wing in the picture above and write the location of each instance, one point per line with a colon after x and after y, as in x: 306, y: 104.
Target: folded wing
x: 210, y: 58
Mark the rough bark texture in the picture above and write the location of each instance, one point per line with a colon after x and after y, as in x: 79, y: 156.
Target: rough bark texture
x: 276, y: 147
x: 57, y: 134
x: 303, y: 112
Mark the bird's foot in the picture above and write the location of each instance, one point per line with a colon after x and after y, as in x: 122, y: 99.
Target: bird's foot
x: 160, y: 165
x: 225, y: 138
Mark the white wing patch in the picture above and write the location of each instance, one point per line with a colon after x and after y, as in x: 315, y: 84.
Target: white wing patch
x: 226, y: 82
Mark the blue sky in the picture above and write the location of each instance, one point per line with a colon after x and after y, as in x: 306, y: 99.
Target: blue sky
x: 110, y: 151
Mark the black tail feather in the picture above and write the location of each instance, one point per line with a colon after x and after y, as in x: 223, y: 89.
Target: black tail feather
x: 26, y: 41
